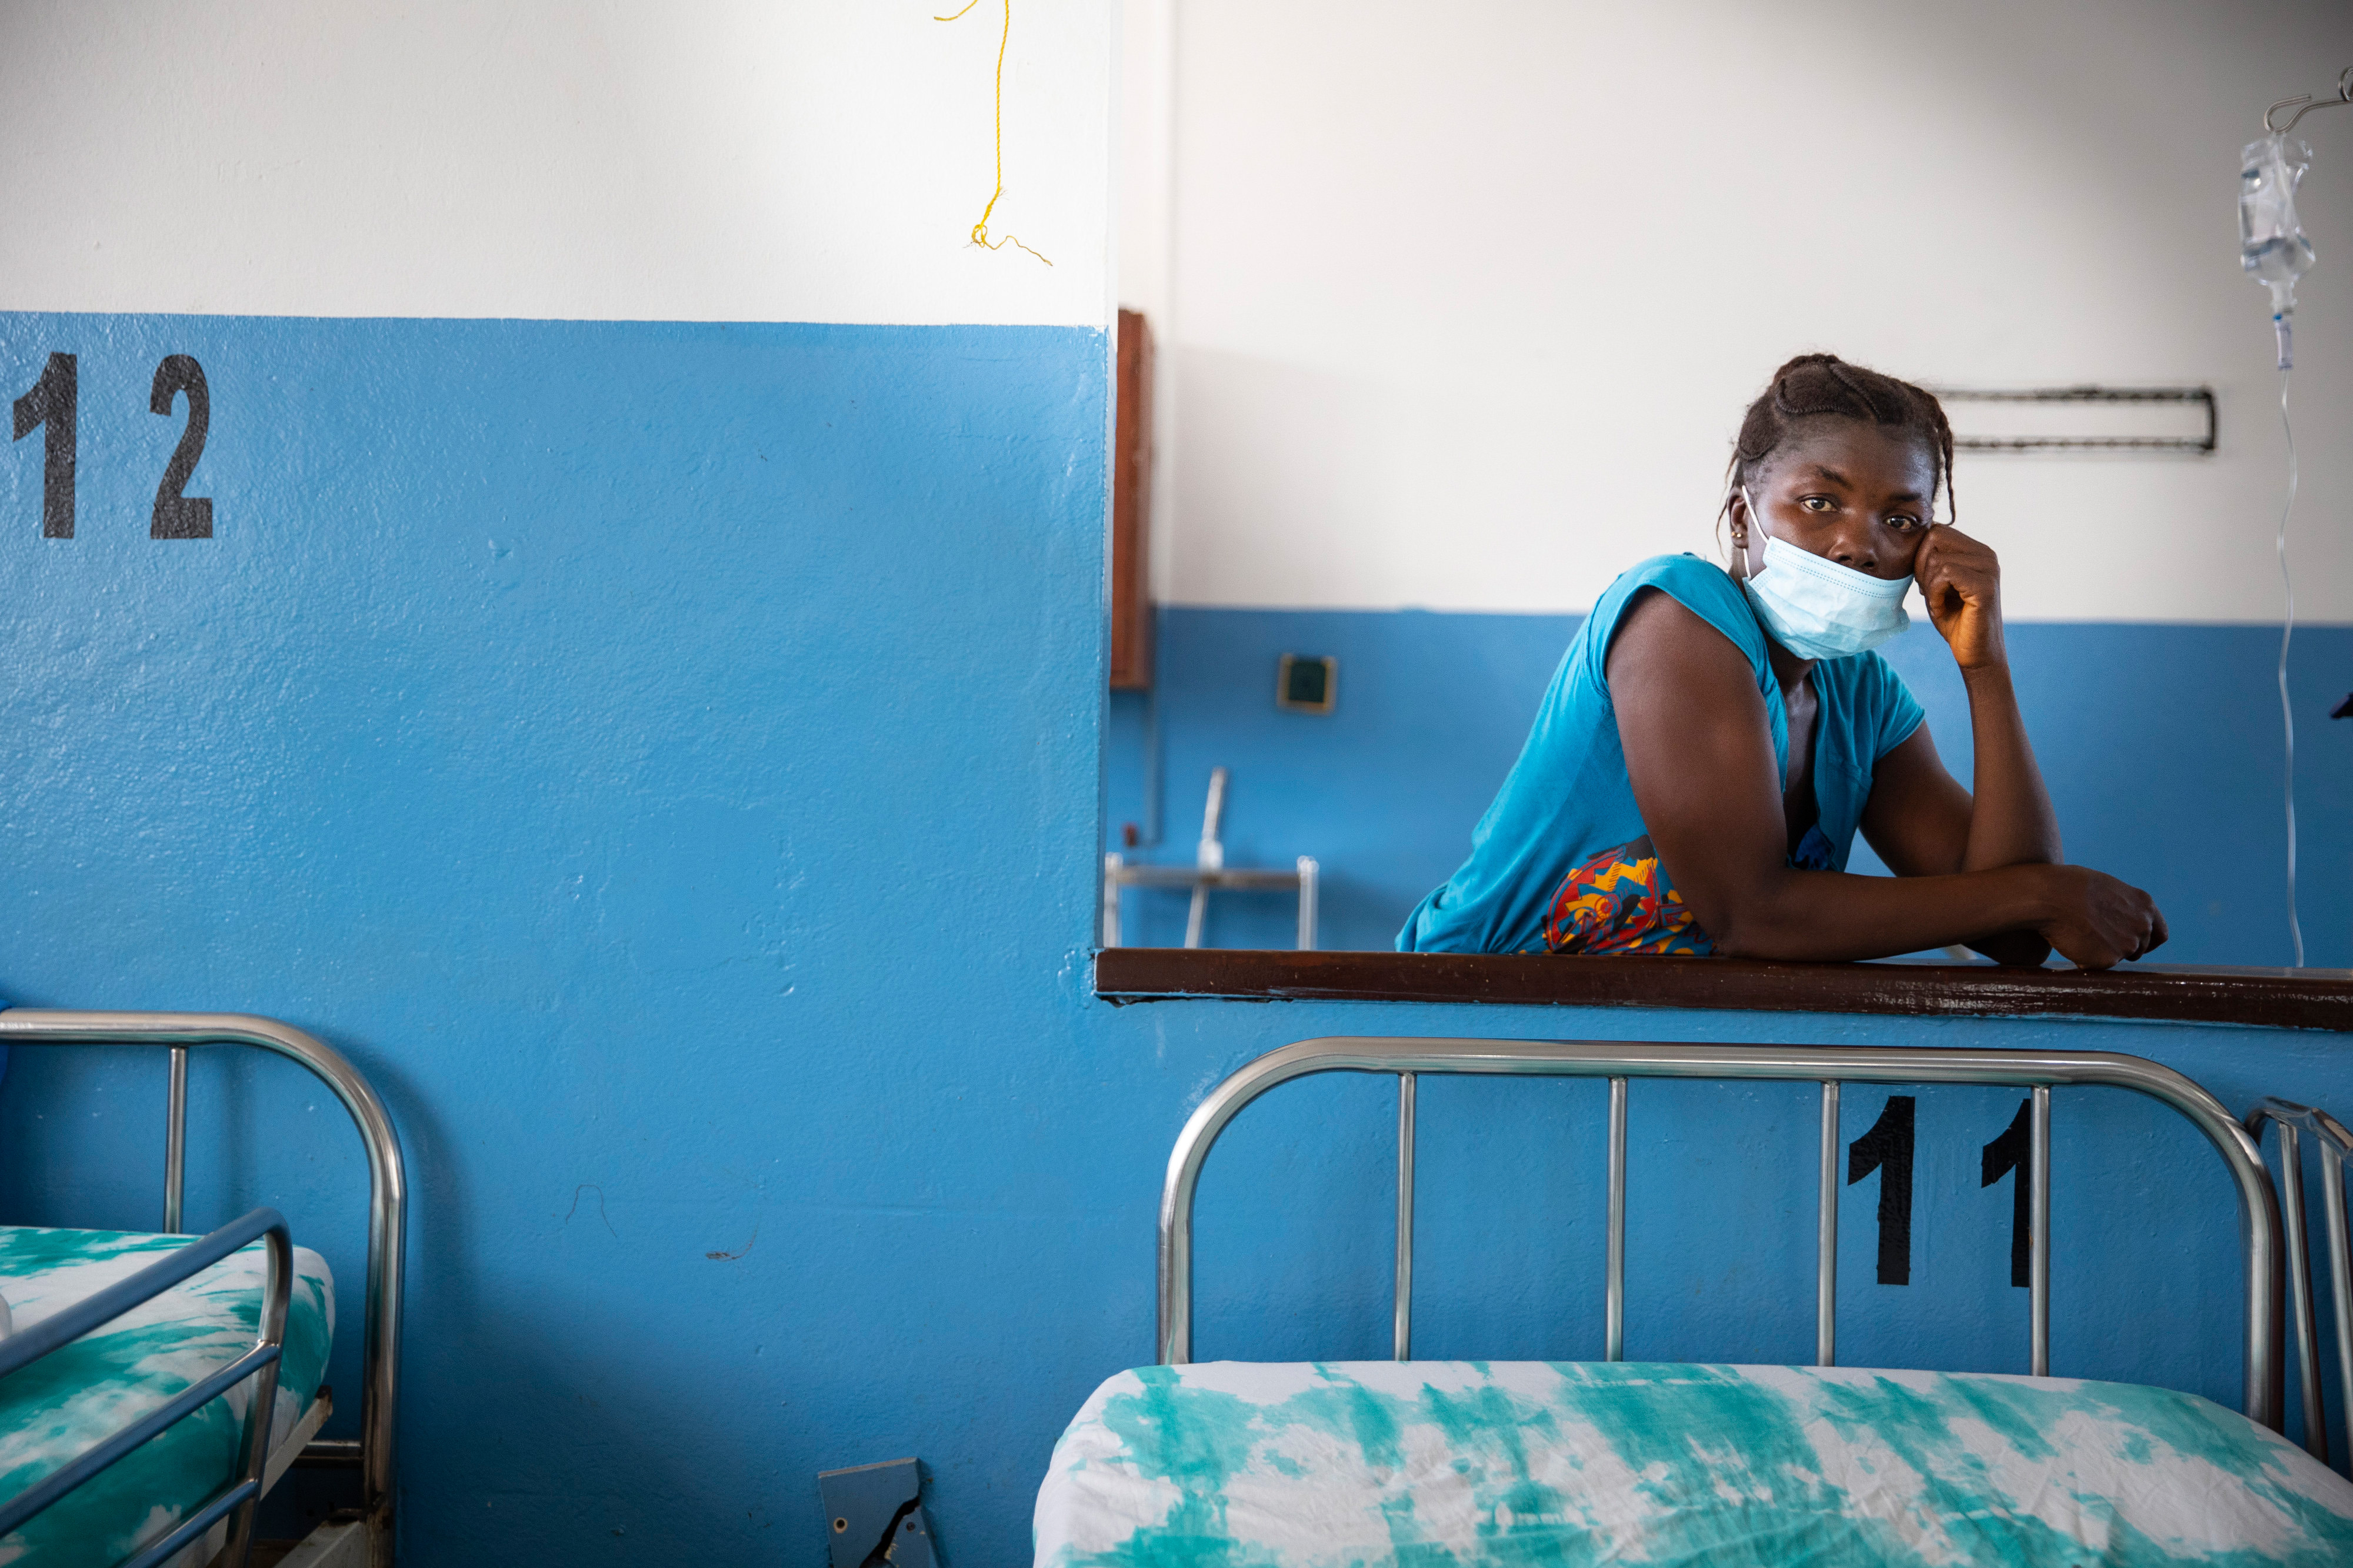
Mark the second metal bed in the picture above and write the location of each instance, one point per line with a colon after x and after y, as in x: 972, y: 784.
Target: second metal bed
x: 2335, y: 1142
x: 372, y: 1454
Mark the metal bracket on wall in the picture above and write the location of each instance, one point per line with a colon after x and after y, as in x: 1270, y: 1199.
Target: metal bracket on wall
x: 2201, y: 395
x: 874, y: 1516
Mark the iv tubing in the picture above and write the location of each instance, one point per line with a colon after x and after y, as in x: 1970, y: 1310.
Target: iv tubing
x: 2287, y: 630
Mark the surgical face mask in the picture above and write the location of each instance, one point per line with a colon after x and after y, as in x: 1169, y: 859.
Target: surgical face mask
x: 1819, y: 609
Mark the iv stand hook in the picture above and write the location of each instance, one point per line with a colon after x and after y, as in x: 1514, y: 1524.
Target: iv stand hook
x: 2344, y: 95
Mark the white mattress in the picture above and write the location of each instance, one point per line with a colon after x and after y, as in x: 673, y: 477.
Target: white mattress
x: 1365, y: 1464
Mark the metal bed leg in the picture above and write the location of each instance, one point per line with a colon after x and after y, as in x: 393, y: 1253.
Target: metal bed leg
x: 2038, y: 1238
x: 1404, y: 1325
x: 175, y: 1142
x: 1112, y: 864
x: 1826, y: 1240
x: 2340, y: 1270
x: 1210, y: 856
x: 2299, y: 1290
x: 1613, y: 1292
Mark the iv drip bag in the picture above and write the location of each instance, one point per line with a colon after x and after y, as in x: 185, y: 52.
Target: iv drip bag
x: 2272, y: 246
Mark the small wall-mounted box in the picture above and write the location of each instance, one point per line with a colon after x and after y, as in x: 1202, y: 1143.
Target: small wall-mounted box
x: 1307, y: 685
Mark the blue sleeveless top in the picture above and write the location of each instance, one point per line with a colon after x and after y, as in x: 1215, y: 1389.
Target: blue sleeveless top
x: 1562, y: 862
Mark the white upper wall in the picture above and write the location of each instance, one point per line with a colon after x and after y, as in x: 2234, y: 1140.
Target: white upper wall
x: 1460, y: 306
x: 707, y: 160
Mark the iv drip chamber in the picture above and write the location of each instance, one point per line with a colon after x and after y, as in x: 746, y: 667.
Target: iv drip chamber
x: 2272, y: 246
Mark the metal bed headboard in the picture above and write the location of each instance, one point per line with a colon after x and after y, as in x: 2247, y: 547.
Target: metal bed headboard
x: 2335, y: 1142
x: 387, y: 1198
x: 1831, y: 1065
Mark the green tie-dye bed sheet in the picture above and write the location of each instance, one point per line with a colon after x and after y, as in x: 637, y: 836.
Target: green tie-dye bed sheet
x: 1355, y: 1464
x: 66, y: 1402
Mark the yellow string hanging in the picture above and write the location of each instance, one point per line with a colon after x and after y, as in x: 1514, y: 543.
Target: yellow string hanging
x: 980, y: 230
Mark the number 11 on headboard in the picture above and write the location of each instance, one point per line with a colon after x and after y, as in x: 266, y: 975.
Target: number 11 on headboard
x: 1887, y: 1149
x: 2014, y: 1152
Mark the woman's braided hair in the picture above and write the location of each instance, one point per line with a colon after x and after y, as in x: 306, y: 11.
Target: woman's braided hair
x: 1815, y: 386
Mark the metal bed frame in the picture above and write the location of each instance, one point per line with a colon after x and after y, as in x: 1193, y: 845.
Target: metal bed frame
x: 2335, y: 1142
x: 1209, y: 870
x: 238, y: 1497
x: 1118, y: 874
x: 1830, y: 1066
x: 373, y: 1453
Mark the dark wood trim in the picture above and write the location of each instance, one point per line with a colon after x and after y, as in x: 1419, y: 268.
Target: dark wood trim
x: 1131, y: 510
x: 2282, y: 998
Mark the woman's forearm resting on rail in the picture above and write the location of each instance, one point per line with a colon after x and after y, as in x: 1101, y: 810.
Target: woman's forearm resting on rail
x: 1700, y: 755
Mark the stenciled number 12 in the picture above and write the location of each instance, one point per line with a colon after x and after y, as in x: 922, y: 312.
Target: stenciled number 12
x: 51, y: 407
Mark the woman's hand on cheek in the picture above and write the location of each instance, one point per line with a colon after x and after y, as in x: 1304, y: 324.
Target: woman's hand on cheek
x: 1960, y: 580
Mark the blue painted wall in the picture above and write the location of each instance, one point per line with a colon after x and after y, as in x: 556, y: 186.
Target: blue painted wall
x: 2160, y: 744
x: 664, y: 758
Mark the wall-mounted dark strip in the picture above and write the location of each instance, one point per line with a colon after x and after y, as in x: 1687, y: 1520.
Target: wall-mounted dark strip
x: 2201, y: 396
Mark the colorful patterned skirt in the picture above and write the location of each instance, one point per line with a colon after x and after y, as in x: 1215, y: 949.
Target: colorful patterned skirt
x: 1620, y: 901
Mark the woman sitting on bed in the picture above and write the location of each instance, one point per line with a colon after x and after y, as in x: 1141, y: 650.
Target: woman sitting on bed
x: 1711, y: 741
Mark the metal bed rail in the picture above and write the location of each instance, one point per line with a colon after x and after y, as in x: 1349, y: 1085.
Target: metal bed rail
x: 2335, y: 1142
x: 1209, y: 870
x: 1830, y: 1067
x: 242, y: 1491
x: 388, y: 1201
